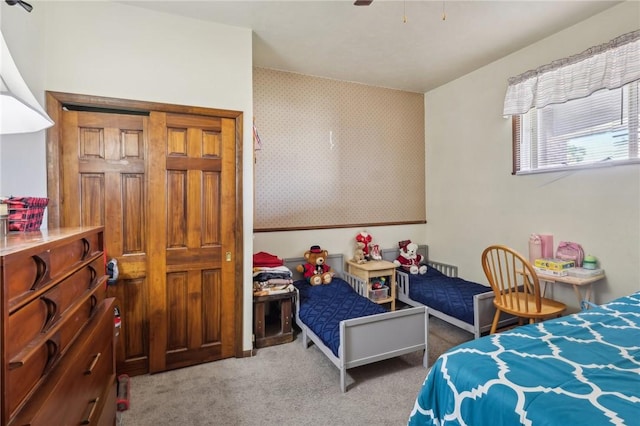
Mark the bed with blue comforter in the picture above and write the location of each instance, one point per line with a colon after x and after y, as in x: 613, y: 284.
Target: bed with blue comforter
x: 349, y: 328
x: 465, y: 304
x: 581, y: 369
x: 323, y: 307
x: 450, y: 295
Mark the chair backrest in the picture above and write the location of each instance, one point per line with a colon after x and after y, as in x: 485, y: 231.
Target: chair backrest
x: 512, y: 278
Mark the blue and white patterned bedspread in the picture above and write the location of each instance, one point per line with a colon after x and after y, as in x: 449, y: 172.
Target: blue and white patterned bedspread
x: 582, y: 369
x: 322, y: 307
x: 450, y: 295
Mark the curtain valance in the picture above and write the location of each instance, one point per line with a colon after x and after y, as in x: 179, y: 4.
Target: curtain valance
x: 610, y: 65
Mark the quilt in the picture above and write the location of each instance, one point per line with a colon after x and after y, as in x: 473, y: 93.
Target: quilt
x: 581, y: 369
x: 450, y: 295
x: 322, y: 307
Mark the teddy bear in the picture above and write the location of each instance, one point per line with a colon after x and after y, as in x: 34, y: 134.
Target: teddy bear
x: 358, y: 255
x: 316, y: 271
x: 364, y: 237
x: 409, y: 258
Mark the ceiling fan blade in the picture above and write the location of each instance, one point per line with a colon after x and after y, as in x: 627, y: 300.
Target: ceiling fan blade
x: 24, y: 4
x: 362, y: 2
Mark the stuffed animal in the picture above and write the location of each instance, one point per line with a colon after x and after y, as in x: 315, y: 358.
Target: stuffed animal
x: 316, y: 271
x: 364, y: 237
x: 375, y: 252
x: 358, y: 255
x: 409, y: 258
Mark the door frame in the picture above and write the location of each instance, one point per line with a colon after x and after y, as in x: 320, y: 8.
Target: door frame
x: 55, y: 101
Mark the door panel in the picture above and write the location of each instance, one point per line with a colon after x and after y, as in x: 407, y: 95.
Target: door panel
x: 190, y: 176
x: 103, y: 180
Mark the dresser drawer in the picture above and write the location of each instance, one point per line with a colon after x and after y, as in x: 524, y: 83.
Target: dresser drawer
x: 28, y: 367
x: 42, y: 314
x: 26, y: 273
x: 77, y: 387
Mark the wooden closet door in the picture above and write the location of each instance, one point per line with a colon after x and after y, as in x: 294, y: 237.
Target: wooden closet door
x: 167, y: 187
x: 191, y: 239
x: 103, y: 182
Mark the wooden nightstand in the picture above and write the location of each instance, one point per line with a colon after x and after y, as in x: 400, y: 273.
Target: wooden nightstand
x: 374, y: 269
x: 269, y: 333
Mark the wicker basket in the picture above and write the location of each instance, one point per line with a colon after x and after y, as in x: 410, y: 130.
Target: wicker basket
x: 25, y: 213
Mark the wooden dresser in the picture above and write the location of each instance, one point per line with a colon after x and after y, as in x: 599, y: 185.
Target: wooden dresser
x: 57, y: 339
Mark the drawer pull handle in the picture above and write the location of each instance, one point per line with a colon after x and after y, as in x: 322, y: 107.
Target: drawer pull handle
x: 89, y: 370
x: 42, y: 270
x: 87, y: 419
x: 86, y: 246
x: 52, y: 310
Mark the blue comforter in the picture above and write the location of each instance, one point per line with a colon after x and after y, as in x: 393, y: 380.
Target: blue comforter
x: 322, y: 307
x: 582, y: 369
x: 450, y: 295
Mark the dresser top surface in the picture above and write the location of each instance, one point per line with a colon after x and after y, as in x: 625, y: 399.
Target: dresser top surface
x: 18, y: 241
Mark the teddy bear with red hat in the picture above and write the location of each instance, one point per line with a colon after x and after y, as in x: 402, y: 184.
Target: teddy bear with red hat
x: 409, y: 259
x: 316, y: 270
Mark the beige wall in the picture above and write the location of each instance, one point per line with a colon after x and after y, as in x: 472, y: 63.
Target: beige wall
x: 478, y: 202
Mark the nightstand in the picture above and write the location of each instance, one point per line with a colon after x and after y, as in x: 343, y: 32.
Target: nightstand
x: 375, y: 269
x: 267, y: 331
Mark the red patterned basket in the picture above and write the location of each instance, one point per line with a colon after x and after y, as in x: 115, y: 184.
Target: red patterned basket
x: 25, y: 213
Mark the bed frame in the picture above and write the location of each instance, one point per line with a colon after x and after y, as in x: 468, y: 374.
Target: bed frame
x: 483, y: 309
x: 367, y: 339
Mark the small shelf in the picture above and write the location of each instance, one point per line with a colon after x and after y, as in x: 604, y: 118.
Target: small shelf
x: 270, y: 330
x: 374, y: 269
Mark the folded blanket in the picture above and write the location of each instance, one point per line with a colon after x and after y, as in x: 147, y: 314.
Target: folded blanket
x: 266, y: 259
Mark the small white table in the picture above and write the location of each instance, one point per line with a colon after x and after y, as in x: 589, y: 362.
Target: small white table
x: 578, y: 284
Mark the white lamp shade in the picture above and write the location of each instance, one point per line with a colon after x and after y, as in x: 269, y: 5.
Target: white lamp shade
x: 20, y: 112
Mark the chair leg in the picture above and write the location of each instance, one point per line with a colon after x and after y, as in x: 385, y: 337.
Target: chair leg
x: 494, y: 325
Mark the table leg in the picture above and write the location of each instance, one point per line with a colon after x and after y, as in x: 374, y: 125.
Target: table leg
x: 578, y: 295
x: 258, y: 319
x: 285, y: 315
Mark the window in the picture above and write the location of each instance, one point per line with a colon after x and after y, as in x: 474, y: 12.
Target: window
x: 578, y: 111
x: 599, y: 129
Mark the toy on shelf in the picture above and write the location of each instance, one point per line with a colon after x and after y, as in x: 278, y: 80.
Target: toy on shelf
x: 358, y: 255
x: 365, y: 238
x: 375, y: 252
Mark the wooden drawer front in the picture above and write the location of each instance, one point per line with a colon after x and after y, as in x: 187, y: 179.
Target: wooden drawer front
x: 25, y: 274
x: 67, y: 395
x: 24, y: 326
x: 29, y: 366
x: 43, y: 313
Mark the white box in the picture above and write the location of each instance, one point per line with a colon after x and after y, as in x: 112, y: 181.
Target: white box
x: 550, y: 272
x: 585, y: 273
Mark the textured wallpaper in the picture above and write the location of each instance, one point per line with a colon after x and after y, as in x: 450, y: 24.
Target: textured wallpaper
x: 335, y: 153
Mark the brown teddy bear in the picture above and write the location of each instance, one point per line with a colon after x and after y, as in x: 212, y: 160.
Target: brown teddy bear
x: 358, y: 255
x: 316, y: 271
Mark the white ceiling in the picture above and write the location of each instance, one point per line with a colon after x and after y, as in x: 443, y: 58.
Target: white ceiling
x: 372, y: 44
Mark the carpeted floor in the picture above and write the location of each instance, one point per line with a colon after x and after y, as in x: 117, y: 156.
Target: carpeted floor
x: 286, y: 385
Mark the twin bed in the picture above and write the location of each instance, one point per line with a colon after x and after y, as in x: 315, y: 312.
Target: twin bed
x: 574, y: 370
x: 347, y: 327
x: 462, y: 303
